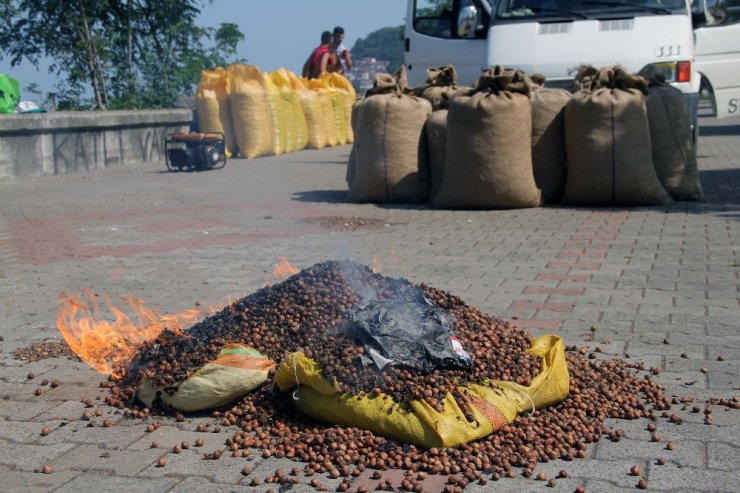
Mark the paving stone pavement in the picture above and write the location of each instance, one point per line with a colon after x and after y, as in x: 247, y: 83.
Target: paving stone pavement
x: 654, y: 283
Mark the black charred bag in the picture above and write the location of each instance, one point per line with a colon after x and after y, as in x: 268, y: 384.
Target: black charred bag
x: 410, y: 331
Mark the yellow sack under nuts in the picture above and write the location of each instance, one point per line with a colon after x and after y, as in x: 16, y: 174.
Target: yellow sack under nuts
x: 237, y: 370
x: 494, y: 404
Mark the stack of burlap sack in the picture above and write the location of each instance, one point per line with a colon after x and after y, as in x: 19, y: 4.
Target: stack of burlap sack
x: 262, y: 114
x: 509, y: 142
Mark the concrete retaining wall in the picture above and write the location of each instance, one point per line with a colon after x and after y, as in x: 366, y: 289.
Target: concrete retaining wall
x: 65, y: 142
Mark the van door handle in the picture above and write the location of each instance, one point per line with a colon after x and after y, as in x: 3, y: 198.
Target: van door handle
x: 408, y: 45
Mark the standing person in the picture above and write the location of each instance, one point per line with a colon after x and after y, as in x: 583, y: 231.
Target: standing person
x: 322, y: 59
x: 340, y: 51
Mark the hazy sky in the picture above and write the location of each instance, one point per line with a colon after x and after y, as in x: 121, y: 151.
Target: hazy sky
x: 279, y: 33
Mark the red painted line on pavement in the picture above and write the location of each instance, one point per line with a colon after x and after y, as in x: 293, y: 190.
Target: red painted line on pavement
x: 564, y: 277
x: 574, y: 266
x: 548, y: 307
x: 546, y: 290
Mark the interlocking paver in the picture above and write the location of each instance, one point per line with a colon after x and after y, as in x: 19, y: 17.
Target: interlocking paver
x: 638, y: 276
x: 114, y: 484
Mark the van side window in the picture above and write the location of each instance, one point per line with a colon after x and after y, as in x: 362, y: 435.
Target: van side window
x: 438, y: 18
x: 442, y: 18
x: 733, y: 12
x: 434, y: 18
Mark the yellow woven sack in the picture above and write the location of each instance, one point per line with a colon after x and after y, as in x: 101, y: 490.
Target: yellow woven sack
x: 349, y: 95
x: 327, y: 109
x: 312, y: 111
x: 296, y: 124
x: 340, y: 119
x: 250, y: 111
x: 237, y: 370
x: 212, y: 103
x: 494, y: 404
x: 279, y: 116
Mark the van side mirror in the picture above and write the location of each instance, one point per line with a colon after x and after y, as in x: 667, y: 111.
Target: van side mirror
x: 467, y: 21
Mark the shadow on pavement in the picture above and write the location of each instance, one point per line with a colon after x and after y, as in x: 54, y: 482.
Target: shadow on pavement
x: 329, y: 196
x: 719, y: 130
x: 721, y: 186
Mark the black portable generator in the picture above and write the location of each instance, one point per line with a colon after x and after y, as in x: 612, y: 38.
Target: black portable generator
x: 195, y: 151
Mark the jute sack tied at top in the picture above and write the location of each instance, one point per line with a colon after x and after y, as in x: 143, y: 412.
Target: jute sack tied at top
x: 674, y: 154
x: 489, y: 146
x: 237, y: 370
x: 441, y: 87
x: 250, y: 111
x: 351, y: 166
x: 494, y: 403
x: 212, y: 104
x: 548, y: 141
x: 389, y: 152
x: 607, y: 141
x: 436, y: 137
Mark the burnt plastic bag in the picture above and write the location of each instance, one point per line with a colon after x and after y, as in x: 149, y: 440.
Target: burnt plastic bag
x: 10, y: 93
x: 411, y: 331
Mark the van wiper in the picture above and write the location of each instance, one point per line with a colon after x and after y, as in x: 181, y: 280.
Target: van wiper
x: 546, y: 10
x: 644, y: 8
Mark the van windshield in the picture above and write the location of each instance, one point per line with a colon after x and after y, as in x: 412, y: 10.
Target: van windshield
x: 584, y: 9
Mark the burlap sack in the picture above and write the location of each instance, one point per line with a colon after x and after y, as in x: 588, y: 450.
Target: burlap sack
x: 489, y: 146
x: 674, y: 155
x: 607, y: 140
x: 351, y: 164
x: 548, y: 141
x: 441, y: 87
x: 389, y: 152
x: 250, y: 111
x: 212, y: 103
x: 436, y: 133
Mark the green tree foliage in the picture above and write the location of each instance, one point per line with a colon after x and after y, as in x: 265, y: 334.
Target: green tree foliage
x: 130, y: 53
x: 383, y: 44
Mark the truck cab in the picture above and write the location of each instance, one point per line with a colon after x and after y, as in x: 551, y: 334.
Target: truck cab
x: 696, y: 45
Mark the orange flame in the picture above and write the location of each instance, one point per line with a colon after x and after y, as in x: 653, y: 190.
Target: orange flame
x: 104, y: 344
x: 283, y: 269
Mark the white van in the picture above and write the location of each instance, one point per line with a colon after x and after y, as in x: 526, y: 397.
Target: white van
x: 696, y: 45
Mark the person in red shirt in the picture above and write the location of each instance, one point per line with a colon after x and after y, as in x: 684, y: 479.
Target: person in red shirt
x: 321, y: 58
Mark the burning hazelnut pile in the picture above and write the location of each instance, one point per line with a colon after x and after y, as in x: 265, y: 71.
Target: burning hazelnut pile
x: 308, y: 311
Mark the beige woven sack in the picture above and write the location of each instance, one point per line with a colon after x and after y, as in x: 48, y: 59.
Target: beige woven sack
x: 674, y: 155
x: 389, y: 152
x: 436, y: 133
x: 607, y: 140
x: 548, y: 141
x: 441, y: 87
x: 489, y: 146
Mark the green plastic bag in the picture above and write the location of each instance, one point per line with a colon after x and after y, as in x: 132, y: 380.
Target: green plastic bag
x: 10, y: 93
